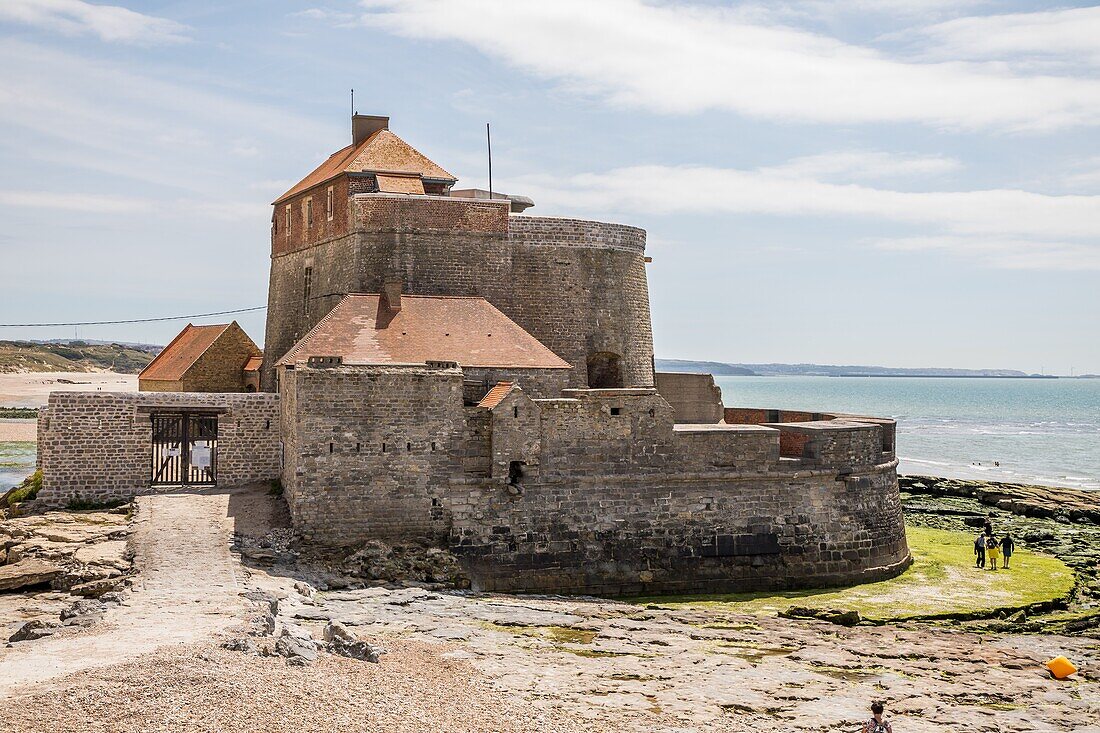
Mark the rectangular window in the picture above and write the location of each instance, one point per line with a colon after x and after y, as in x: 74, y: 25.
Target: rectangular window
x: 328, y: 203
x: 287, y: 221
x: 309, y: 212
x: 308, y: 286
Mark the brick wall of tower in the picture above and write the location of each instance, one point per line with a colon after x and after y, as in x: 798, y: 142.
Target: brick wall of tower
x: 578, y: 286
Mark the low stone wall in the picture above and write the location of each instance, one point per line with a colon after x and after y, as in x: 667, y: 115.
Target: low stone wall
x: 688, y: 534
x: 612, y: 498
x: 97, y: 446
x: 695, y: 398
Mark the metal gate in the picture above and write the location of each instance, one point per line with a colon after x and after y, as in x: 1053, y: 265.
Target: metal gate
x: 185, y: 450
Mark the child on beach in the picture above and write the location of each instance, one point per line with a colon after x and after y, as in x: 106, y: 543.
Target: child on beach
x: 979, y: 551
x: 992, y: 551
x: 1007, y: 546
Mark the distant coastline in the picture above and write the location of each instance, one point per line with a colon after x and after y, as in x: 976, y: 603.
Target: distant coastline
x: 725, y: 369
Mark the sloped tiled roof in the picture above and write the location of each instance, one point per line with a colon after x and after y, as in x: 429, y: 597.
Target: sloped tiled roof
x: 493, y: 397
x: 184, y: 350
x: 253, y: 364
x: 467, y: 330
x: 382, y: 152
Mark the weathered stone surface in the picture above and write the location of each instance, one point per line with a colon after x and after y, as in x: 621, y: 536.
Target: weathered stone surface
x: 97, y: 588
x: 32, y: 630
x: 27, y: 573
x: 111, y: 554
x: 92, y: 445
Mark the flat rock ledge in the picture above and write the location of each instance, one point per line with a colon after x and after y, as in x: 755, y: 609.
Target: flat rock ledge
x: 27, y: 573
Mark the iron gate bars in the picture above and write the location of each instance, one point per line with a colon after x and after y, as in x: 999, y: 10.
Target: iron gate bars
x: 185, y: 449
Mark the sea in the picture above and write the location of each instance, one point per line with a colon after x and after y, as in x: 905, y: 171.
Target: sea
x: 1039, y: 431
x: 17, y: 461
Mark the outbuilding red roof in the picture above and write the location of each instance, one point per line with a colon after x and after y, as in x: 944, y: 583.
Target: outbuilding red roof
x: 184, y: 350
x: 362, y: 329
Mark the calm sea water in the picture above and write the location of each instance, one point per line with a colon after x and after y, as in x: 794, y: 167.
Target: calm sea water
x: 1043, y: 431
x: 16, y: 463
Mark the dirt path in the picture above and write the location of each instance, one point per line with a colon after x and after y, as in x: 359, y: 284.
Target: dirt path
x: 186, y: 588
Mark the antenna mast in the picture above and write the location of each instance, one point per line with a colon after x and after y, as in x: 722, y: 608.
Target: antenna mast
x: 353, y: 101
x: 489, y: 145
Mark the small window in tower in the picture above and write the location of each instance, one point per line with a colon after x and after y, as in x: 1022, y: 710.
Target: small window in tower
x: 328, y: 203
x: 286, y: 221
x: 309, y: 212
x: 307, y: 289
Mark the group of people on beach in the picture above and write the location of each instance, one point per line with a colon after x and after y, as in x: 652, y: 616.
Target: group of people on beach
x: 990, y: 549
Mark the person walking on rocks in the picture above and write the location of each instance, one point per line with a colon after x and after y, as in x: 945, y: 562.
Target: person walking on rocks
x: 979, y: 551
x: 877, y: 723
x: 1007, y: 547
x: 992, y: 551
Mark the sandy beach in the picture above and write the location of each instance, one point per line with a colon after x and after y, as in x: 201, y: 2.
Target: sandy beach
x: 32, y: 389
x: 18, y: 430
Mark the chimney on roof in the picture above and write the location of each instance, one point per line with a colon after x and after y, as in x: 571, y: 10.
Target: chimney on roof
x: 391, y: 294
x: 363, y: 126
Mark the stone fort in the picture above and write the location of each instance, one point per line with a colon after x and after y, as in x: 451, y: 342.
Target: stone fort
x: 440, y: 366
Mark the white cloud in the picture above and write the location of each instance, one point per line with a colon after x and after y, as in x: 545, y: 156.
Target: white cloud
x: 1084, y: 175
x: 1070, y: 35
x: 681, y: 59
x: 994, y: 224
x: 73, y: 202
x: 86, y: 114
x: 1007, y: 253
x: 858, y: 165
x: 111, y: 23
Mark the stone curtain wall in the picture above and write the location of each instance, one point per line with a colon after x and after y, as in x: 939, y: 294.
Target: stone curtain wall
x: 370, y: 451
x: 97, y: 446
x: 695, y: 398
x: 535, y: 382
x: 624, y: 502
x: 578, y: 286
x: 631, y: 535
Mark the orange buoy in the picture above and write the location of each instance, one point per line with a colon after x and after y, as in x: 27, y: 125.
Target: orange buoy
x: 1061, y: 668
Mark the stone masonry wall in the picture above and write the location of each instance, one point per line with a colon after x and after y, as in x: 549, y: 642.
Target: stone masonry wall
x: 98, y: 445
x: 695, y: 398
x: 370, y: 451
x: 624, y: 502
x: 578, y: 286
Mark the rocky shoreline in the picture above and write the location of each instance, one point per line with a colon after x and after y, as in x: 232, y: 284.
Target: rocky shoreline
x: 1061, y: 522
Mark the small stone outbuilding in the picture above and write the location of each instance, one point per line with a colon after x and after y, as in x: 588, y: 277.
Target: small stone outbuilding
x: 217, y: 358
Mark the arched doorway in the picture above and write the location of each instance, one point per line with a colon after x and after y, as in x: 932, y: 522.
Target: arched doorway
x: 604, y: 370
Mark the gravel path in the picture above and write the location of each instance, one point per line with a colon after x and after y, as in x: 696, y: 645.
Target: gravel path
x: 185, y: 590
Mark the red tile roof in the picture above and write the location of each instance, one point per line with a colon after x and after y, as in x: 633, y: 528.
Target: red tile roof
x: 253, y: 364
x: 495, y: 395
x: 467, y: 330
x: 184, y: 350
x: 382, y: 152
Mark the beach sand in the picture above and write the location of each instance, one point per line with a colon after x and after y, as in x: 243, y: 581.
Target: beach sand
x: 33, y: 389
x: 18, y: 431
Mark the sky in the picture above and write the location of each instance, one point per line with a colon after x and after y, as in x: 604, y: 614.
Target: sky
x: 891, y: 182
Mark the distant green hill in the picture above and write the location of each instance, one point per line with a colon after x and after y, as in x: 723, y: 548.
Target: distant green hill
x: 73, y: 356
x: 825, y: 370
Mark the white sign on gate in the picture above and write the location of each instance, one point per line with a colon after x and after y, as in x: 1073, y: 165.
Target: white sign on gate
x: 200, y: 456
